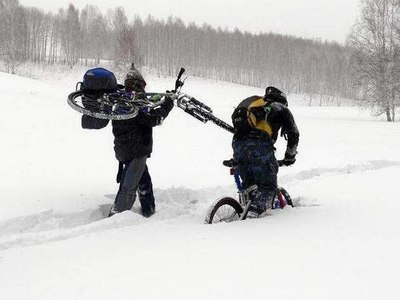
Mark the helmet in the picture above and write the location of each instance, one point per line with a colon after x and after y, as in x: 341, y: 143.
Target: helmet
x: 273, y: 94
x: 134, y: 81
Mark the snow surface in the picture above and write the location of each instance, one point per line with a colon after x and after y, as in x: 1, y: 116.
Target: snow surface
x: 57, y: 182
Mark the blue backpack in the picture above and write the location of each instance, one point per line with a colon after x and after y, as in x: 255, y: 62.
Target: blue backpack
x: 96, y: 82
x: 99, y: 80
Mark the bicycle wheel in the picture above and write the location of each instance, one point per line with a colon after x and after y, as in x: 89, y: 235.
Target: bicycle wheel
x: 286, y: 195
x: 226, y: 209
x: 103, y: 106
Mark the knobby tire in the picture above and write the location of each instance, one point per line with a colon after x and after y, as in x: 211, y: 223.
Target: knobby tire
x: 101, y: 110
x: 286, y: 196
x: 226, y: 209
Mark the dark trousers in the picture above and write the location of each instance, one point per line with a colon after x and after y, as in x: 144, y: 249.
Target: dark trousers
x: 257, y: 165
x: 146, y: 195
x: 135, y: 178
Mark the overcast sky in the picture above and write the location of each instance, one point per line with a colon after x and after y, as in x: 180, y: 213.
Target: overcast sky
x: 324, y: 19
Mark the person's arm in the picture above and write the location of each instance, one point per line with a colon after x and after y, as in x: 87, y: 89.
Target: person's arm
x: 89, y: 122
x: 156, y: 116
x: 290, y: 130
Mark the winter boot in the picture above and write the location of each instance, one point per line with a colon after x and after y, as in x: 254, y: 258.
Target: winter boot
x: 252, y: 215
x: 113, y: 211
x: 148, y: 212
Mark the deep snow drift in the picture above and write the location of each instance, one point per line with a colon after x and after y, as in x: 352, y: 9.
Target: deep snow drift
x: 341, y: 241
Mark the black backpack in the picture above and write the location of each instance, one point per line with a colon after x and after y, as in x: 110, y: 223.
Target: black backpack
x: 245, y: 117
x: 241, y: 121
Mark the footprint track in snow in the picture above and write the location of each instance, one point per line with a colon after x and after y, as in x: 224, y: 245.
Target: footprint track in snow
x: 347, y: 169
x: 48, y: 226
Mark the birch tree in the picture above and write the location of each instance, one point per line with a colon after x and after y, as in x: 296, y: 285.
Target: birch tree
x: 375, y: 62
x: 13, y: 34
x: 71, y: 39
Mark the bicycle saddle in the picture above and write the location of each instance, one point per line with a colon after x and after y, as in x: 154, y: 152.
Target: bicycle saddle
x: 231, y: 163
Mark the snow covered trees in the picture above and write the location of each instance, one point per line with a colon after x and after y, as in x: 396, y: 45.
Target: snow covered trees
x: 13, y: 34
x: 376, y: 60
x: 123, y: 38
x: 85, y: 36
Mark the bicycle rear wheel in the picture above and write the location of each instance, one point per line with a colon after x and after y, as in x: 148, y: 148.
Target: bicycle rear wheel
x: 225, y: 209
x: 286, y: 195
x: 98, y: 106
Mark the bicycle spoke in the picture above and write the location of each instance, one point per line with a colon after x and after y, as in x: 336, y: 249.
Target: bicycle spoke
x: 225, y: 214
x: 104, y: 107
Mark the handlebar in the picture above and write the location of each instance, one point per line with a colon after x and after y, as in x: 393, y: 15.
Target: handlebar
x: 179, y: 83
x: 282, y: 163
x: 232, y: 163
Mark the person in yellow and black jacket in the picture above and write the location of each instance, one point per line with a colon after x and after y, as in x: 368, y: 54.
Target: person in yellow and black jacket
x: 257, y: 121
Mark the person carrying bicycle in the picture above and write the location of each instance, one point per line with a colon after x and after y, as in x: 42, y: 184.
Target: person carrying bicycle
x: 257, y: 121
x: 133, y: 143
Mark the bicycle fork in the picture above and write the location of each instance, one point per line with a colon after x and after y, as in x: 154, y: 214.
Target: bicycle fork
x: 245, y: 210
x: 245, y: 199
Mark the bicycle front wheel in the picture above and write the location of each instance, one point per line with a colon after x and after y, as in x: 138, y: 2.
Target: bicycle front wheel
x: 226, y: 209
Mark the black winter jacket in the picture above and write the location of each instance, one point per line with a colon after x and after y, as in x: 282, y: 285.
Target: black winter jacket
x: 280, y: 117
x: 134, y: 137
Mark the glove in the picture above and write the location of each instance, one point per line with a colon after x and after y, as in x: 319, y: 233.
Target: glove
x: 159, y: 120
x: 289, y: 159
x: 168, y: 104
x: 155, y: 98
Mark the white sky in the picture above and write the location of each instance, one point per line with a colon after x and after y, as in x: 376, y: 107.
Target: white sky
x: 324, y: 19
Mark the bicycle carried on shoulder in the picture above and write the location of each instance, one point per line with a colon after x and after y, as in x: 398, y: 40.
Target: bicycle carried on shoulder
x: 123, y: 105
x: 118, y: 104
x: 228, y: 209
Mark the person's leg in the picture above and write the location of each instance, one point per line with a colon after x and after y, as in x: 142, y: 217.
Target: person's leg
x: 257, y: 165
x: 265, y: 169
x: 131, y: 176
x: 146, y: 195
x: 243, y: 150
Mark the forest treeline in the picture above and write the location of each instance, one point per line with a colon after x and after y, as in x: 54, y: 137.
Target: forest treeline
x: 72, y: 36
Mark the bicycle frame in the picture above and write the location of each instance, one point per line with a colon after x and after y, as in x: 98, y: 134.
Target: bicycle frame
x: 244, y: 194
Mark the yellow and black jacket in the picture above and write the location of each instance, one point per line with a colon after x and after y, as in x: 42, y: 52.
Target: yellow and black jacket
x: 277, y: 117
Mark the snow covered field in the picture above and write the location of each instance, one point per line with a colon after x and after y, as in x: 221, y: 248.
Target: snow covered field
x: 57, y: 182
